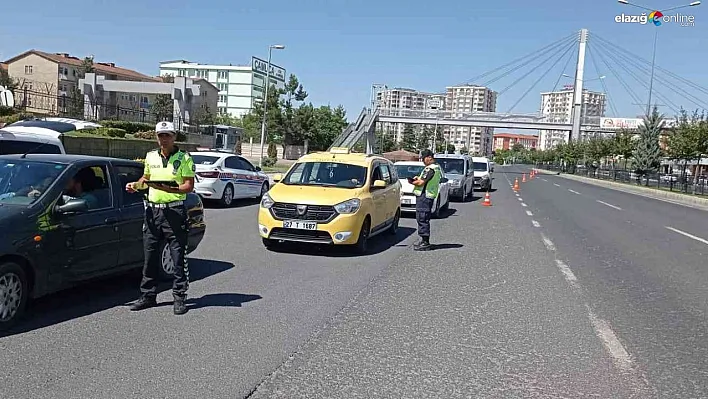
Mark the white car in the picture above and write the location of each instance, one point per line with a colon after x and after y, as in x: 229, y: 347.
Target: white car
x: 406, y: 169
x: 224, y: 177
x: 483, y: 173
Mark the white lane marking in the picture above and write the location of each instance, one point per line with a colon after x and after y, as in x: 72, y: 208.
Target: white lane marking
x: 566, y: 272
x: 548, y: 243
x: 543, y: 179
x: 521, y: 199
x: 529, y: 213
x: 699, y: 239
x: 573, y: 191
x: 613, y: 345
x: 516, y: 194
x: 524, y: 205
x: 535, y: 223
x: 556, y: 184
x: 610, y: 205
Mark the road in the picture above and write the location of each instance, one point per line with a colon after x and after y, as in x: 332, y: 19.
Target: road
x: 548, y: 294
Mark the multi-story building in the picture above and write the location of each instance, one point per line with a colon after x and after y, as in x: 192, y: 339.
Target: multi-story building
x: 46, y: 80
x: 405, y: 99
x: 240, y: 86
x: 460, y: 102
x: 506, y: 141
x: 557, y: 106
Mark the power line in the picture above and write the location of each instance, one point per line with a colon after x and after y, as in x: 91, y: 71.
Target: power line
x: 541, y: 77
x: 532, y: 54
x: 602, y: 82
x: 560, y: 76
x: 532, y: 70
x: 619, y: 78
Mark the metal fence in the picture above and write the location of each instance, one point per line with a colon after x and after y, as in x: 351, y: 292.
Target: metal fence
x: 686, y: 184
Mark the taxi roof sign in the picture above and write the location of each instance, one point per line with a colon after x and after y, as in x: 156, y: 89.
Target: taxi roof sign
x: 339, y: 150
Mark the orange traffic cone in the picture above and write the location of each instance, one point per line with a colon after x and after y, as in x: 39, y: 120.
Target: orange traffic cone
x: 523, y: 178
x: 516, y: 184
x: 487, y: 200
x: 531, y: 175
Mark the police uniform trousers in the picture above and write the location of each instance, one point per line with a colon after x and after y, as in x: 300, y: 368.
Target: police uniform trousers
x: 165, y: 224
x: 423, y: 212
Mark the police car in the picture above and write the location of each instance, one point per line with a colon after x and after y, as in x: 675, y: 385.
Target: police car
x: 224, y: 176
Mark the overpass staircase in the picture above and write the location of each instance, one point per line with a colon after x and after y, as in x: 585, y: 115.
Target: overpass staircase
x: 363, y: 128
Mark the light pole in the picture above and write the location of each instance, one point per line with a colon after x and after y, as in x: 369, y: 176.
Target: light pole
x: 265, y: 99
x: 656, y: 35
x: 585, y: 80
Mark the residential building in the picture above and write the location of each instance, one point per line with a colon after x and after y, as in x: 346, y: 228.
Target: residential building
x: 461, y: 101
x: 405, y: 99
x: 506, y: 141
x: 3, y: 66
x: 557, y: 106
x: 46, y: 80
x: 240, y: 86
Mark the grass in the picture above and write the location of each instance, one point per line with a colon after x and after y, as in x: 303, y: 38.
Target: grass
x: 276, y: 169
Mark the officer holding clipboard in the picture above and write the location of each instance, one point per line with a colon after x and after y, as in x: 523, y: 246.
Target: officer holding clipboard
x: 169, y: 175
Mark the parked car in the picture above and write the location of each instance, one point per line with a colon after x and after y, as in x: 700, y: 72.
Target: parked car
x: 406, y: 169
x: 52, y: 242
x: 334, y: 198
x: 458, y: 168
x: 483, y: 173
x: 39, y: 136
x: 225, y: 176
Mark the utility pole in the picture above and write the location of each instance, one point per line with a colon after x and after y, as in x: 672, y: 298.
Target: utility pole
x: 578, y: 87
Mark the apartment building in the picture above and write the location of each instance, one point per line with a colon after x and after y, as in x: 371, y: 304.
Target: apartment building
x: 399, y: 98
x: 460, y: 102
x: 46, y: 80
x: 240, y: 86
x: 506, y: 141
x: 557, y: 106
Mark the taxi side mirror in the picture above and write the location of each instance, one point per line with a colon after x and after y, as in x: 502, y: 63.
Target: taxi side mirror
x: 277, y: 177
x: 378, y: 184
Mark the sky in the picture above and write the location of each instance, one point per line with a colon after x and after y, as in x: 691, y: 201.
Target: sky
x: 339, y: 49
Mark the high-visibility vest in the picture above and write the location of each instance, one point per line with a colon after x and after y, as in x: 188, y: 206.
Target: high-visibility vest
x: 432, y: 188
x: 178, y: 166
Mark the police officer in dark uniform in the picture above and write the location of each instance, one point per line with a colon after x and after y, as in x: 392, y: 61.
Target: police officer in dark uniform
x: 169, y: 175
x: 427, y: 188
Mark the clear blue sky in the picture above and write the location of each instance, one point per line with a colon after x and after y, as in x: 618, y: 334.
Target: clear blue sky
x: 338, y: 49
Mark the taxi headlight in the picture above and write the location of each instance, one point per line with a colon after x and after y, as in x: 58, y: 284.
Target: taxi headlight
x: 349, y: 206
x: 266, y: 201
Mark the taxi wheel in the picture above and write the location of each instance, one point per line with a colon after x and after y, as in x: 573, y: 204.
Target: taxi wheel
x: 361, y: 245
x: 394, y: 227
x: 227, y: 199
x: 13, y: 294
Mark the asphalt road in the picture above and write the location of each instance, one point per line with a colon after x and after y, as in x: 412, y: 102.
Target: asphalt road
x: 507, y: 305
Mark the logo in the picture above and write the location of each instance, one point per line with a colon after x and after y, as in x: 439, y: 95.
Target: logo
x: 301, y: 209
x: 656, y: 17
x: 175, y: 166
x: 164, y: 124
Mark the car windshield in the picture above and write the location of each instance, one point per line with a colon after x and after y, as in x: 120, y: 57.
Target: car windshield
x: 406, y: 171
x: 328, y: 174
x: 452, y: 166
x: 23, y: 182
x: 204, y: 159
x: 480, y: 167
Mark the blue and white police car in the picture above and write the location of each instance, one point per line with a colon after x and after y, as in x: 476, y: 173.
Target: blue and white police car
x: 224, y: 177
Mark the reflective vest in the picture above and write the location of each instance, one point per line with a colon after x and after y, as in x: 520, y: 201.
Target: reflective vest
x: 432, y: 188
x: 175, y: 168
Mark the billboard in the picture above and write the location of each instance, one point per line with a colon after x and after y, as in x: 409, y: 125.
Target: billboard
x: 631, y: 123
x: 261, y: 66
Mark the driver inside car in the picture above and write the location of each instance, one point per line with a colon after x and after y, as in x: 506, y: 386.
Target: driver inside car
x: 80, y: 186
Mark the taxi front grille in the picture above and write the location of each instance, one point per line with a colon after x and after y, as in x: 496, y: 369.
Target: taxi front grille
x: 315, y: 213
x: 300, y: 235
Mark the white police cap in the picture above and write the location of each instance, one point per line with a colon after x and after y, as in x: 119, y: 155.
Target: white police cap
x: 165, y: 127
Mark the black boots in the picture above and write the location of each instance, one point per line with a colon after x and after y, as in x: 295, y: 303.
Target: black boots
x: 179, y: 306
x: 143, y: 303
x: 422, y: 245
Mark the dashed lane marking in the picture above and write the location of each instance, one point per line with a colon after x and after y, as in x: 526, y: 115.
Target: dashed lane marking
x: 566, y: 271
x: 535, y: 223
x: 573, y: 191
x: 521, y: 199
x: 699, y: 239
x: 613, y: 345
x: 548, y: 243
x: 556, y: 184
x: 610, y: 205
x: 524, y: 205
x: 529, y: 213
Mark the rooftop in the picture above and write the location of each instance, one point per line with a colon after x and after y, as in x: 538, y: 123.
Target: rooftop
x: 198, y: 65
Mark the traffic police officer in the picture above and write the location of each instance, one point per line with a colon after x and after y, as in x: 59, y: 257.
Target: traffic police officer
x: 427, y: 188
x: 165, y: 216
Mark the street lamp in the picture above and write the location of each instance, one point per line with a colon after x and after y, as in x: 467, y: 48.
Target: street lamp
x: 265, y: 98
x: 586, y: 80
x: 656, y: 34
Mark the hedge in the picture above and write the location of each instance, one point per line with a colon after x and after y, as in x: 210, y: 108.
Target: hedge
x: 129, y: 127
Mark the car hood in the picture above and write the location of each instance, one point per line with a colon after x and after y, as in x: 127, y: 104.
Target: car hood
x: 312, y: 195
x: 454, y: 176
x: 480, y: 173
x: 406, y: 187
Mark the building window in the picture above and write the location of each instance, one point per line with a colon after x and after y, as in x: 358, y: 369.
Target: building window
x: 222, y: 86
x: 202, y: 74
x: 223, y: 74
x: 222, y: 111
x: 28, y: 69
x: 222, y: 99
x: 181, y: 72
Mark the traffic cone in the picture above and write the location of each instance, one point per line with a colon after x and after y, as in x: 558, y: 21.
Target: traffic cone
x: 531, y: 175
x: 523, y: 178
x: 487, y: 200
x: 516, y: 184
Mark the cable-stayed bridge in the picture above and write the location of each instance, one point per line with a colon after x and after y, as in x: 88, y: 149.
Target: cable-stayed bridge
x: 608, y: 61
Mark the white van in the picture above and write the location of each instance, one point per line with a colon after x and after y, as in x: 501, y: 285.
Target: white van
x: 38, y: 136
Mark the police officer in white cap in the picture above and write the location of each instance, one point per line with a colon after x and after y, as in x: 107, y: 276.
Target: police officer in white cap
x: 169, y: 175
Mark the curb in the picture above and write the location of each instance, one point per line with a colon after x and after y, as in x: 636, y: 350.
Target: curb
x: 674, y: 198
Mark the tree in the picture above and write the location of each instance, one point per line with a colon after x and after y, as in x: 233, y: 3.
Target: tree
x: 425, y: 137
x: 6, y: 81
x: 168, y: 78
x: 689, y: 140
x: 75, y: 107
x: 293, y: 92
x: 647, y: 153
x: 388, y: 144
x: 163, y: 107
x: 323, y: 127
x: 518, y: 147
x: 86, y: 67
x: 274, y: 127
x: 623, y: 145
x: 409, y: 139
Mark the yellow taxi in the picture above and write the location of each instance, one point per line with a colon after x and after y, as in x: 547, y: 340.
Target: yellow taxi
x: 335, y: 197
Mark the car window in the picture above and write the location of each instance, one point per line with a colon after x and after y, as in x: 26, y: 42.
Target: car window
x: 91, y: 183
x: 394, y: 172
x: 331, y: 174
x: 376, y: 174
x: 23, y: 182
x: 31, y: 147
x: 385, y: 174
x: 480, y: 166
x: 245, y: 165
x: 127, y: 174
x: 204, y: 159
x: 233, y: 163
x: 452, y: 165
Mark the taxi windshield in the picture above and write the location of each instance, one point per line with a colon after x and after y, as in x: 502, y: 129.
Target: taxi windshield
x: 23, y: 182
x: 329, y: 174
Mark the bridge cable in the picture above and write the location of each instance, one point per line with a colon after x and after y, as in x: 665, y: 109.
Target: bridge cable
x: 627, y: 60
x: 656, y: 67
x: 560, y: 76
x: 602, y: 82
x: 628, y: 89
x: 561, y: 46
x: 572, y: 46
x: 533, y: 54
x: 641, y: 81
x: 533, y: 69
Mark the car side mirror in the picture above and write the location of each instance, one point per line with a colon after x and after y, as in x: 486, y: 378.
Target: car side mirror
x: 258, y: 168
x: 444, y: 180
x: 76, y: 205
x: 492, y: 170
x: 277, y: 177
x: 378, y: 184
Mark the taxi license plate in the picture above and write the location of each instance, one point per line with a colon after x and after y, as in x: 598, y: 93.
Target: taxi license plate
x: 299, y: 225
x: 406, y: 201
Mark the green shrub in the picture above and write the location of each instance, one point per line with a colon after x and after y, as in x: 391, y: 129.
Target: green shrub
x: 269, y: 162
x: 272, y: 151
x: 237, y: 147
x: 12, y: 118
x: 129, y: 127
x: 5, y: 111
x: 151, y: 135
x: 106, y: 132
